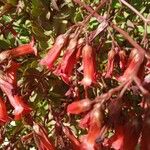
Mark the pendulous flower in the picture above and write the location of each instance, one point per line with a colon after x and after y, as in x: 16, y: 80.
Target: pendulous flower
x: 55, y: 51
x: 88, y: 142
x: 78, y: 107
x: 68, y: 61
x: 89, y: 68
x: 19, y: 51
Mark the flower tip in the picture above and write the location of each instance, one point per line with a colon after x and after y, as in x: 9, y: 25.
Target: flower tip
x: 86, y: 82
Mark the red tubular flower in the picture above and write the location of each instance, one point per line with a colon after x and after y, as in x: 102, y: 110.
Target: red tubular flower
x: 20, y: 50
x: 11, y: 73
x: 89, y: 69
x: 135, y: 61
x: 110, y: 64
x: 44, y: 142
x: 95, y: 125
x: 8, y: 86
x: 116, y: 141
x: 3, y: 112
x: 79, y: 106
x: 55, y: 51
x: 68, y: 61
x: 20, y: 108
x: 145, y: 141
x: 71, y: 137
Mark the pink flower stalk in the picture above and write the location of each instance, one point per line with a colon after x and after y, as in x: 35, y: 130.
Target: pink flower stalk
x: 3, y: 112
x: 75, y: 142
x: 78, y: 107
x: 89, y: 68
x: 135, y: 61
x: 145, y: 140
x: 55, y: 51
x: 95, y: 125
x: 44, y: 142
x: 110, y: 64
x: 68, y: 61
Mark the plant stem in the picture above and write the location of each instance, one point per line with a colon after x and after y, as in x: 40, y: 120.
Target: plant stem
x: 135, y: 11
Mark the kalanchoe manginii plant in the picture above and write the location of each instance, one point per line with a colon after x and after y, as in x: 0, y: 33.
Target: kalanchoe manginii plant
x: 90, y: 90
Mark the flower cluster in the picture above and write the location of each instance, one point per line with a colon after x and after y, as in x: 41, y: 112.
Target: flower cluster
x: 73, y: 48
x: 8, y: 82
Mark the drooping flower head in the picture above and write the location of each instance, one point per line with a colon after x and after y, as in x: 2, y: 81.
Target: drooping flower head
x: 68, y: 61
x: 19, y: 51
x: 133, y: 66
x: 89, y: 68
x: 95, y: 125
x: 55, y: 51
x: 78, y: 107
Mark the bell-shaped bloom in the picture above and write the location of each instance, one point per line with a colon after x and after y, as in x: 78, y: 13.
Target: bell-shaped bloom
x: 19, y: 51
x: 78, y: 107
x: 145, y: 140
x: 43, y: 142
x: 68, y: 61
x: 3, y: 112
x: 89, y: 68
x: 75, y: 142
x: 20, y: 108
x: 134, y: 63
x: 110, y: 64
x: 55, y: 51
x: 95, y: 124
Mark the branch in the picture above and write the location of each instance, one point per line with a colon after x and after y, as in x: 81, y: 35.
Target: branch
x: 135, y: 11
x: 124, y: 33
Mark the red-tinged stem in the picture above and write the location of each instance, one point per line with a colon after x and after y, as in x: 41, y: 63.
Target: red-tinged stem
x: 124, y: 33
x: 139, y: 84
x: 135, y: 11
x: 100, y: 18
